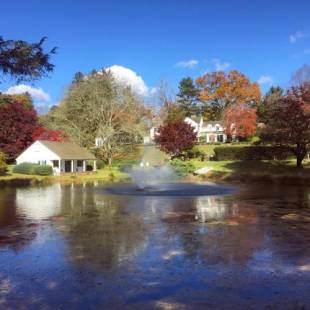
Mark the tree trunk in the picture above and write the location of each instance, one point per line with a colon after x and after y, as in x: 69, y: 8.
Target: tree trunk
x: 301, y: 152
x: 298, y: 162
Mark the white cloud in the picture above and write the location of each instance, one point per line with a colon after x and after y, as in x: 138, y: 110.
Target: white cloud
x: 265, y: 80
x: 296, y: 36
x: 220, y: 66
x: 189, y: 64
x: 129, y: 78
x: 36, y: 93
x: 153, y: 90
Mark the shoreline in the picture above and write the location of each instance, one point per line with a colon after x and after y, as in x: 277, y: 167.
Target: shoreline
x: 212, y: 176
x: 224, y: 177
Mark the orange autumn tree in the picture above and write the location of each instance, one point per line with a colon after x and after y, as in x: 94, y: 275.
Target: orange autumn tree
x: 240, y: 121
x: 219, y: 90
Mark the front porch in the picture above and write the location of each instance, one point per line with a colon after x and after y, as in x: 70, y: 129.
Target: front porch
x: 71, y: 166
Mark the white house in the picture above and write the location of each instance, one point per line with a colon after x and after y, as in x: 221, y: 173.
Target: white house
x: 62, y: 156
x: 209, y: 132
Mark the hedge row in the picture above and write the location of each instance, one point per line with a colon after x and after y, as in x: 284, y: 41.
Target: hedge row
x: 33, y: 169
x: 251, y: 153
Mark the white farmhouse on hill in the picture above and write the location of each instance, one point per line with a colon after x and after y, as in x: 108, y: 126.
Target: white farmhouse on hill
x: 62, y: 156
x: 208, y: 132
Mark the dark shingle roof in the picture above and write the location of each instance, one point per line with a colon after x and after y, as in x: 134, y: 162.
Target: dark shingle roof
x: 68, y: 150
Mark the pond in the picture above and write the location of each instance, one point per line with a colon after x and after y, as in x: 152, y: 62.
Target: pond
x: 89, y: 247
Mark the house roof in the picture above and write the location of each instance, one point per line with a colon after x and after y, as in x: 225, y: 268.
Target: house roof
x: 195, y: 118
x: 68, y: 150
x: 212, y: 123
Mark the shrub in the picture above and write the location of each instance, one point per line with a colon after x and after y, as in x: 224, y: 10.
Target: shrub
x: 23, y: 168
x: 33, y: 169
x: 3, y: 166
x: 100, y: 164
x: 43, y: 170
x: 193, y: 153
x: 182, y: 168
x: 202, y: 139
x: 251, y: 153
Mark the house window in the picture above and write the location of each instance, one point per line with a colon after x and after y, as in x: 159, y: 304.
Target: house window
x: 55, y: 163
x: 42, y: 162
x: 79, y: 163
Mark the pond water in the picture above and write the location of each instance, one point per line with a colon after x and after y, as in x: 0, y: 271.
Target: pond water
x: 87, y: 247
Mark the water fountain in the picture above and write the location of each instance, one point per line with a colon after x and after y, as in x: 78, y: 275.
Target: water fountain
x: 160, y: 180
x: 148, y: 177
x: 153, y: 176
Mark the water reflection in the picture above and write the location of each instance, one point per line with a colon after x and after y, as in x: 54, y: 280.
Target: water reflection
x: 209, y: 208
x: 40, y: 204
x: 152, y: 249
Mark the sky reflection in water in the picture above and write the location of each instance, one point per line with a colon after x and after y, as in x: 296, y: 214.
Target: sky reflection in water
x: 74, y: 246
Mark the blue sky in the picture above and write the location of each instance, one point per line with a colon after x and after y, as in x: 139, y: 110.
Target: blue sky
x: 266, y: 40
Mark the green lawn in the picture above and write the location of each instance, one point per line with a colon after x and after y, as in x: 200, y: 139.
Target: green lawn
x: 151, y: 154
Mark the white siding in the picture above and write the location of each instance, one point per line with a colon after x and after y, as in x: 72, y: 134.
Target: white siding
x: 38, y: 153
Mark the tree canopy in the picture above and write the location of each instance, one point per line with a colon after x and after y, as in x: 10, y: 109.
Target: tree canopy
x: 268, y: 102
x: 174, y: 138
x: 99, y: 106
x: 25, y: 61
x: 218, y: 90
x: 240, y: 121
x: 288, y: 121
x: 17, y: 123
x: 187, y: 97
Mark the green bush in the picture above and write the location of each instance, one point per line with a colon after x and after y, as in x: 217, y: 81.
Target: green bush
x: 100, y: 164
x: 3, y: 165
x: 23, y: 168
x: 251, y: 153
x: 182, y: 168
x: 193, y: 153
x: 43, y: 170
x: 202, y: 139
x: 33, y: 169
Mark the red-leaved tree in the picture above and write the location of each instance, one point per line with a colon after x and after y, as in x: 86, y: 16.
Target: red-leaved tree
x: 174, y: 138
x: 42, y: 133
x: 289, y: 122
x: 240, y: 121
x: 17, y: 123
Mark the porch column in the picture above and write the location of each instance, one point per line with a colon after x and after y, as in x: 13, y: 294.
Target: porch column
x: 95, y: 165
x: 59, y: 166
x: 207, y: 138
x: 84, y: 165
x: 72, y: 166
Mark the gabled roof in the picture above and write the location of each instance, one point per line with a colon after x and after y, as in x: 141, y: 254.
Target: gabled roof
x: 205, y: 124
x: 195, y: 118
x: 67, y: 150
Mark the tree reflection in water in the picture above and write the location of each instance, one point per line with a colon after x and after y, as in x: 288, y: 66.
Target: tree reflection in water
x: 74, y: 245
x: 224, y: 231
x: 100, y: 232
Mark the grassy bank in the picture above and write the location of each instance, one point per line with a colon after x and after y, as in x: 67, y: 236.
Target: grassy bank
x: 249, y: 171
x: 257, y: 171
x: 107, y: 174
